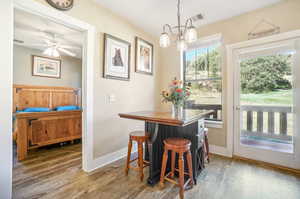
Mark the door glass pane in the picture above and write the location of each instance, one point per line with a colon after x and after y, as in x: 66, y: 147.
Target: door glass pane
x: 266, y: 102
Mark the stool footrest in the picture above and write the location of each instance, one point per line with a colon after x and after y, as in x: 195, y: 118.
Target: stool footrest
x: 167, y: 178
x: 133, y: 160
x: 185, y: 173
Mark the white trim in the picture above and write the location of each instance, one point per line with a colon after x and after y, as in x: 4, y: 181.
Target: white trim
x: 110, y: 158
x: 232, y: 53
x: 205, y: 41
x: 88, y: 72
x: 213, y: 124
x: 219, y: 150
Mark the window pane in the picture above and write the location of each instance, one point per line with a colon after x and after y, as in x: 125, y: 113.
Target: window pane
x: 190, y: 58
x: 207, y: 92
x: 203, y: 63
x: 207, y: 95
x: 203, y: 72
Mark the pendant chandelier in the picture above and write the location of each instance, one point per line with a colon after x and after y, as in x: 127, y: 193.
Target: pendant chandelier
x: 186, y: 33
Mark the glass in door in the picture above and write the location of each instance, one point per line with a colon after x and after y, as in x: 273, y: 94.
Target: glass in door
x: 266, y: 101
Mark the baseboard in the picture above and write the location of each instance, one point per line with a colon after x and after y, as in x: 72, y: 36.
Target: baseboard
x: 117, y: 155
x: 219, y: 150
x: 110, y: 158
x: 266, y: 164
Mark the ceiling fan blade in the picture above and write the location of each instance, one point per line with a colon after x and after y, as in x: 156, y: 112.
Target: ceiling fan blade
x: 42, y: 45
x: 48, y: 42
x: 69, y: 47
x: 67, y: 52
x: 28, y: 44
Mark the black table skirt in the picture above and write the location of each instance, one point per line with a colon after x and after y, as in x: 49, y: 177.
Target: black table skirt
x: 154, y: 152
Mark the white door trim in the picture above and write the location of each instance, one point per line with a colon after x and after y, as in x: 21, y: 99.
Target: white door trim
x: 231, y: 65
x: 88, y: 69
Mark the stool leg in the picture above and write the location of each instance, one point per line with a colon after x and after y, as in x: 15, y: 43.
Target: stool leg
x: 173, y: 164
x: 163, y: 167
x: 141, y: 160
x: 128, y: 156
x: 189, y: 162
x: 206, y: 147
x: 181, y: 175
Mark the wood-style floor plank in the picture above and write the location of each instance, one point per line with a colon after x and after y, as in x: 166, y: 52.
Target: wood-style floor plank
x: 56, y: 173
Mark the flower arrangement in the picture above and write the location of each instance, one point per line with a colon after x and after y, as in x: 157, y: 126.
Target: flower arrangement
x: 177, y: 93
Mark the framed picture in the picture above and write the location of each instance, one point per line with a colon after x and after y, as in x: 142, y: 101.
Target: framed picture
x: 116, y: 58
x: 143, y: 56
x: 46, y: 67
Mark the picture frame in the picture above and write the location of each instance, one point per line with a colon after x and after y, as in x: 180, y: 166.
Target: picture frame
x: 143, y: 56
x: 46, y: 67
x: 116, y: 58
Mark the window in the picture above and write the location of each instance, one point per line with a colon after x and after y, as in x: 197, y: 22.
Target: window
x: 202, y: 70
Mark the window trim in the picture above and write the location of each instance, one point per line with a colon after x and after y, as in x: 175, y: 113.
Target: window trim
x: 205, y: 41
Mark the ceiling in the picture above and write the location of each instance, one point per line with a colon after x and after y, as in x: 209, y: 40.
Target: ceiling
x: 151, y: 15
x: 31, y: 30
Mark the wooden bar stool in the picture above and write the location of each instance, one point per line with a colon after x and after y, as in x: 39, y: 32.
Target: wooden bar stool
x: 140, y: 137
x: 206, y: 145
x: 180, y: 146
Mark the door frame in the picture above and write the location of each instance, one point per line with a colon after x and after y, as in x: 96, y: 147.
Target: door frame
x: 231, y: 66
x: 88, y: 30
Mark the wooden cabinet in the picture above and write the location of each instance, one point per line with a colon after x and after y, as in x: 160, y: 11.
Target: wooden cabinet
x: 41, y: 129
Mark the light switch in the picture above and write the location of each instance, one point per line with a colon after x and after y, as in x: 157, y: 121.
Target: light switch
x: 111, y: 98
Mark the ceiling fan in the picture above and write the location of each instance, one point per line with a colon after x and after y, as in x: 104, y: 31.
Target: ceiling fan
x: 51, y: 42
x: 53, y: 48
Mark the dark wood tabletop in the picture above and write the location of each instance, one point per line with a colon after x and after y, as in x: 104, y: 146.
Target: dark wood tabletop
x: 186, y: 117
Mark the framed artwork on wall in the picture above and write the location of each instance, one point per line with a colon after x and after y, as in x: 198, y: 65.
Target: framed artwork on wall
x: 143, y: 56
x: 116, y: 58
x: 46, y: 67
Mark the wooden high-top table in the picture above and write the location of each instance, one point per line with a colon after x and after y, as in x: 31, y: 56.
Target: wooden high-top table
x: 188, y: 124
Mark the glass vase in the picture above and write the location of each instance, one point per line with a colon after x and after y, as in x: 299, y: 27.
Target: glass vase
x: 176, y: 110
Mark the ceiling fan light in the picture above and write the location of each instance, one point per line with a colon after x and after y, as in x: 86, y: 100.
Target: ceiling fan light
x: 181, y: 45
x: 164, y: 40
x: 55, y: 53
x: 51, y: 52
x: 191, y: 34
x: 48, y: 52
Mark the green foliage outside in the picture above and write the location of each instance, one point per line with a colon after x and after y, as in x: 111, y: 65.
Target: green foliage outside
x: 264, y: 80
x: 206, y: 68
x: 265, y: 74
x: 279, y: 97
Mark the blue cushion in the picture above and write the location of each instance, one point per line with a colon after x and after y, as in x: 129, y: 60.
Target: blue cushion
x: 36, y: 109
x: 67, y: 108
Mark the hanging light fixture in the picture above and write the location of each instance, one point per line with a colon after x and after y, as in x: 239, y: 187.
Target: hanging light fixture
x: 52, y: 52
x: 185, y: 33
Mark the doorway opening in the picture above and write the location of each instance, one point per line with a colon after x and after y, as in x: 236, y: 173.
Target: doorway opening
x: 86, y: 162
x: 47, y: 96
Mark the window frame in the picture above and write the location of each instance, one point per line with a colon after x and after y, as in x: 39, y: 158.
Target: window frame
x: 205, y: 42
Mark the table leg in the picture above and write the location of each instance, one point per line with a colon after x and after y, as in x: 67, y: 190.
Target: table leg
x: 150, y: 155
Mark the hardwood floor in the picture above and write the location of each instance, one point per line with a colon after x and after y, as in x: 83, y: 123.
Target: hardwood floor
x: 56, y: 173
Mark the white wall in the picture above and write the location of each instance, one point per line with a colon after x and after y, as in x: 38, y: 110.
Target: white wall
x: 22, y: 72
x: 6, y: 21
x: 140, y: 93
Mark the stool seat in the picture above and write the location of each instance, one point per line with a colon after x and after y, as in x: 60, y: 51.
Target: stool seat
x: 180, y: 144
x: 137, y: 135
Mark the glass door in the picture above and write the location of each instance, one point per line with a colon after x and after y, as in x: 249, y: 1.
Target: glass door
x: 266, y: 103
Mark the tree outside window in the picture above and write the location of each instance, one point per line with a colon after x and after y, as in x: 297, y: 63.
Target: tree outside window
x: 202, y: 67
